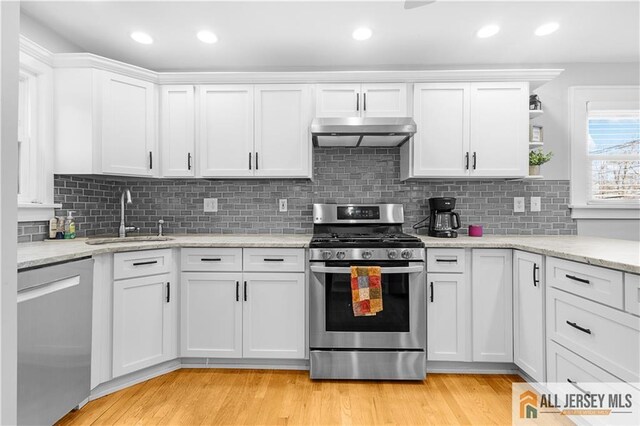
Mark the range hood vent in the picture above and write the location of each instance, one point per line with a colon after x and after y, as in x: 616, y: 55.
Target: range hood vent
x: 355, y: 131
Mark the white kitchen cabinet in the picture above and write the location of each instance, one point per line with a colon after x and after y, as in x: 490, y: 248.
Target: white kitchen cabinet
x: 282, y: 144
x: 528, y: 312
x: 143, y: 314
x: 361, y: 100
x: 105, y: 123
x: 273, y: 315
x: 225, y: 131
x: 491, y: 294
x: 177, y: 130
x: 468, y: 130
x: 632, y: 293
x: 211, y: 314
x: 448, y: 322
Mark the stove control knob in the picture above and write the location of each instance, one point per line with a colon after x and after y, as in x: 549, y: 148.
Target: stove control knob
x: 340, y: 255
x: 366, y: 254
x: 392, y: 254
x: 407, y: 254
x: 326, y: 255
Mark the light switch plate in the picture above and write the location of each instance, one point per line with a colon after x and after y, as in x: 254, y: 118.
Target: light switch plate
x: 518, y: 204
x: 536, y: 204
x: 210, y: 205
x: 282, y: 204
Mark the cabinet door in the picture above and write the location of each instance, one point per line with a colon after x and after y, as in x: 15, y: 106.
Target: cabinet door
x: 127, y: 126
x: 491, y: 305
x: 143, y: 310
x: 338, y: 100
x: 211, y: 315
x: 528, y: 311
x: 177, y: 131
x: 499, y: 129
x: 448, y: 326
x: 282, y: 139
x: 225, y: 138
x: 274, y: 315
x: 384, y: 100
x: 441, y: 145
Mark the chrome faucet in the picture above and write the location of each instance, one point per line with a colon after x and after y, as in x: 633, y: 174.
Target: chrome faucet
x: 126, y: 195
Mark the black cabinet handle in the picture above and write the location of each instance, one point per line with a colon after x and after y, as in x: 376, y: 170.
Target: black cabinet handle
x: 168, y: 292
x: 249, y: 161
x: 466, y: 161
x: 474, y: 160
x: 357, y: 101
x: 364, y: 102
x: 573, y: 277
x: 273, y: 260
x: 237, y: 291
x: 575, y: 385
x: 245, y: 291
x: 447, y: 260
x: 536, y: 281
x: 150, y: 262
x: 256, y: 161
x: 189, y: 161
x: 576, y: 326
x: 210, y: 259
x: 431, y: 287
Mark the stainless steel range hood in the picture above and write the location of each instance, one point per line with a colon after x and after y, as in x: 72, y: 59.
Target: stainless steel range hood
x: 355, y: 131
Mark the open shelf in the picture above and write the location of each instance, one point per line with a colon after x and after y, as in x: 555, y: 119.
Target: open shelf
x: 535, y: 113
x: 535, y: 145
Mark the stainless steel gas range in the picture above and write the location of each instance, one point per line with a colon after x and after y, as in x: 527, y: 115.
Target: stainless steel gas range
x: 391, y: 344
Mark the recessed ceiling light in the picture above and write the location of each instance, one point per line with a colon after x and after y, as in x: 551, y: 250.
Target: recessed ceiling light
x: 547, y: 29
x: 207, y: 37
x: 362, y: 33
x: 141, y: 37
x: 488, y: 31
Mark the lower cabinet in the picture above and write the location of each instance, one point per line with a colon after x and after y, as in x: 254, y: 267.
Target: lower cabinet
x: 143, y: 313
x: 448, y: 319
x: 528, y: 312
x: 491, y: 288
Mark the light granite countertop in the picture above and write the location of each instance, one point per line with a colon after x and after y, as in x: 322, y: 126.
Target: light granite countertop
x: 616, y: 254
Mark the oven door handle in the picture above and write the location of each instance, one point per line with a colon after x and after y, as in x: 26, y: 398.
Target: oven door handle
x: 347, y: 270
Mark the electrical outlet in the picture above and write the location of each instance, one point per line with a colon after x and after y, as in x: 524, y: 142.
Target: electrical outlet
x: 518, y: 204
x: 210, y: 205
x: 282, y: 204
x: 535, y: 204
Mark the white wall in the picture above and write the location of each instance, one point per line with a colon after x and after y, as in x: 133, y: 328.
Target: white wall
x: 9, y: 27
x: 45, y: 37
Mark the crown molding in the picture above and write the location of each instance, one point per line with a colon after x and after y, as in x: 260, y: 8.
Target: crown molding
x: 89, y: 60
x: 35, y: 50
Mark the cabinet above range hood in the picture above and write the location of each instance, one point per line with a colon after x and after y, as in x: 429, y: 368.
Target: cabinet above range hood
x: 361, y: 132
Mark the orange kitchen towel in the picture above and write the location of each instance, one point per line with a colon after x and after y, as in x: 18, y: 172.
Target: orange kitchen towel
x: 366, y: 290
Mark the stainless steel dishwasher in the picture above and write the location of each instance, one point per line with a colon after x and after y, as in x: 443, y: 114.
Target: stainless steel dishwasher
x: 54, y: 340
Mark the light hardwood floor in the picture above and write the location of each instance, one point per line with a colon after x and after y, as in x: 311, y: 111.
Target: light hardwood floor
x: 270, y: 397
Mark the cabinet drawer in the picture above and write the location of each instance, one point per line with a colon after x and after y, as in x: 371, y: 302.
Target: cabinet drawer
x: 283, y: 260
x: 632, y: 293
x: 595, y: 283
x: 604, y: 336
x: 141, y: 263
x: 211, y: 259
x: 445, y: 260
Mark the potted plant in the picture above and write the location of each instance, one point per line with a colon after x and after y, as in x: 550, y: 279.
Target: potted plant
x: 536, y: 159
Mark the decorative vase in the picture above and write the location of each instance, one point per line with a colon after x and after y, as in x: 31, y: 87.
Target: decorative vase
x: 534, y: 170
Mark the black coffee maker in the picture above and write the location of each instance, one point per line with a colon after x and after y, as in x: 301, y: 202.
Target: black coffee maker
x: 442, y: 220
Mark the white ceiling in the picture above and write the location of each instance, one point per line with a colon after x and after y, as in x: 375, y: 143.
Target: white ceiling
x: 303, y: 35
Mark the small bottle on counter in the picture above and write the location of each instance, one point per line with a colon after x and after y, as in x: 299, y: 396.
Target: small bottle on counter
x: 69, y: 226
x: 60, y: 230
x: 53, y: 228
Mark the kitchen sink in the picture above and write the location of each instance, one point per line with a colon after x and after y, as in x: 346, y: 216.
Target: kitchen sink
x: 111, y: 240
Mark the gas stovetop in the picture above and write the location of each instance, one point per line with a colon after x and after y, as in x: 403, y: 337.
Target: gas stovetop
x: 365, y: 240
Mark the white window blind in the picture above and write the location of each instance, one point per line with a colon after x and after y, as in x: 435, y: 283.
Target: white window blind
x: 613, y: 153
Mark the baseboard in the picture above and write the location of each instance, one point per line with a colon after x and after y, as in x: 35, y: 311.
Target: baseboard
x: 134, y: 378
x: 250, y: 364
x: 454, y: 367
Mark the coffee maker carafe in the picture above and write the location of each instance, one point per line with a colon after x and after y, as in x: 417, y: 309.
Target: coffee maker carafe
x: 442, y: 220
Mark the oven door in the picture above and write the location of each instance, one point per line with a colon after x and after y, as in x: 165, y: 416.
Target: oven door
x: 400, y: 325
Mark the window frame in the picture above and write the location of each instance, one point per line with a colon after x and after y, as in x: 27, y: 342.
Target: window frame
x: 582, y: 205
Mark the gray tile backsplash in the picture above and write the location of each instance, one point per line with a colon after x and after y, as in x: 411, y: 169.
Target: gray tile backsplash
x: 362, y: 175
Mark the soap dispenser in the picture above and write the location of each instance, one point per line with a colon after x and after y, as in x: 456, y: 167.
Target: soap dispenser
x: 69, y: 226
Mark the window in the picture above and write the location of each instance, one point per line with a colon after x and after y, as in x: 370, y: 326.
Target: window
x: 605, y: 152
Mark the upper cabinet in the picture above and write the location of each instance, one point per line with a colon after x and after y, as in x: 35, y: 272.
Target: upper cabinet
x: 254, y: 131
x: 177, y: 131
x: 468, y: 130
x: 361, y: 100
x: 105, y: 123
